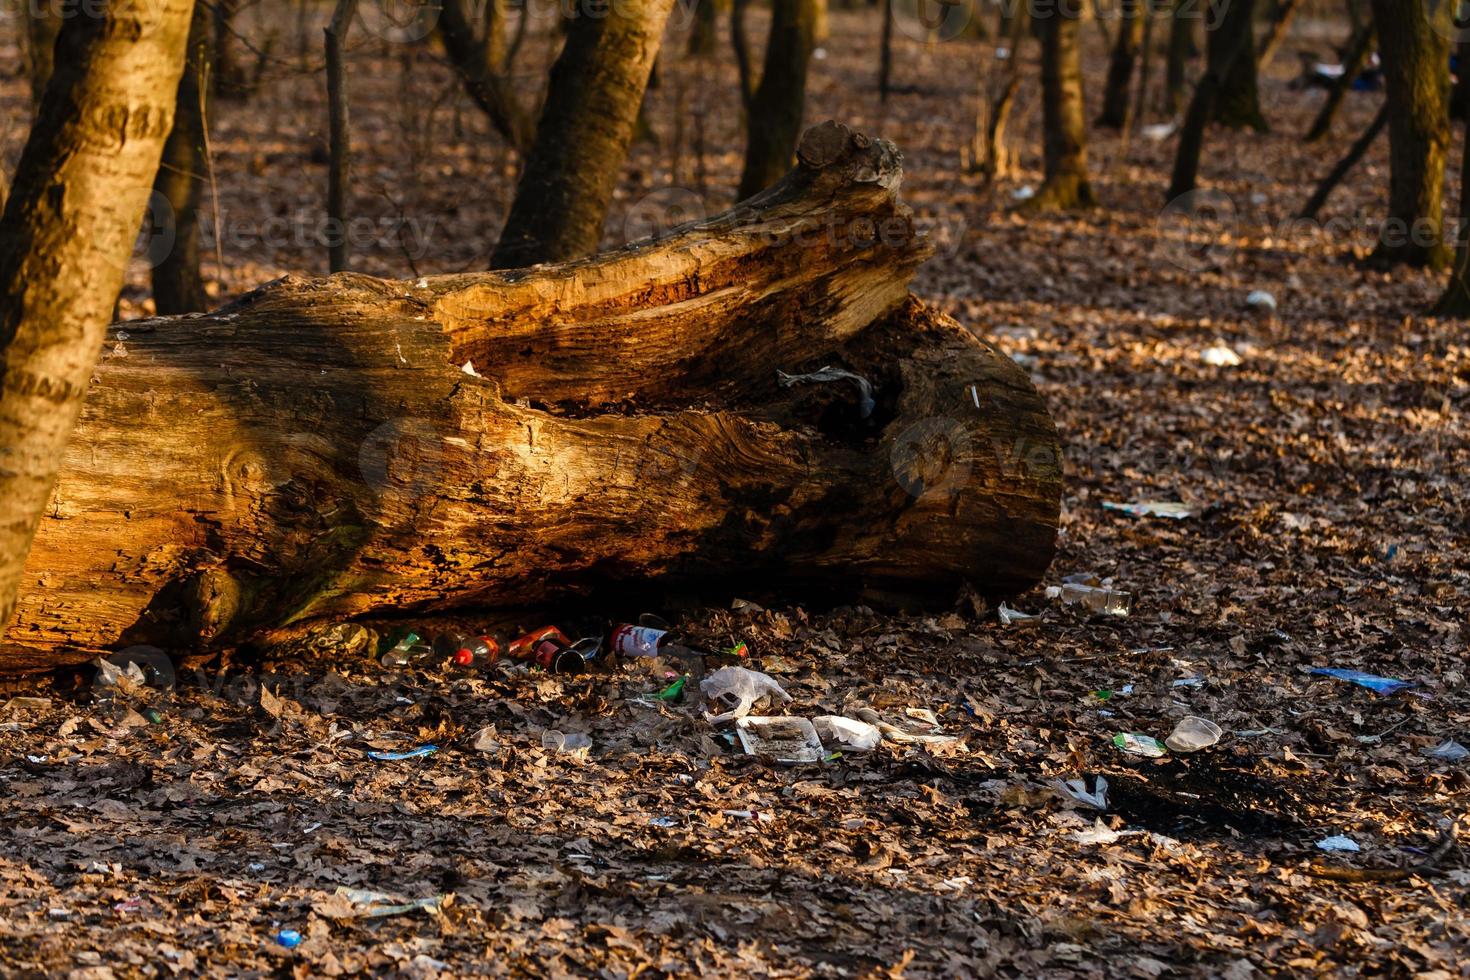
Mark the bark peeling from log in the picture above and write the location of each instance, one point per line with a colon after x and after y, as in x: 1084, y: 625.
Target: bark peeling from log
x: 316, y: 451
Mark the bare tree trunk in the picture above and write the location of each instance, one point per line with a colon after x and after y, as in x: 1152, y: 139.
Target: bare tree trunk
x: 1415, y: 51
x: 1181, y: 44
x: 43, y: 23
x: 316, y: 452
x: 65, y: 238
x: 1237, y: 104
x: 703, y: 35
x: 1359, y: 47
x: 339, y: 135
x: 776, y: 111
x: 483, y: 66
x: 588, y: 121
x: 1126, y: 47
x: 1356, y: 152
x: 1206, y: 95
x: 1456, y: 298
x: 1064, y: 118
x: 885, y: 52
x: 740, y: 44
x: 178, y: 286
x: 1286, y: 12
x: 1145, y: 69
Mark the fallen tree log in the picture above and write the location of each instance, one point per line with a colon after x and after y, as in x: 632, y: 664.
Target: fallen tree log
x: 330, y: 448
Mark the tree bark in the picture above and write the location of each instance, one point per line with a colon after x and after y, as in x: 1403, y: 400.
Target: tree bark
x: 1353, y: 60
x: 315, y: 451
x: 1064, y: 118
x: 740, y: 45
x: 65, y: 238
x: 1126, y: 49
x: 339, y: 135
x: 482, y: 66
x: 776, y: 111
x: 582, y: 138
x: 1206, y: 95
x: 43, y: 23
x: 1232, y: 46
x: 885, y: 52
x: 178, y: 189
x: 1286, y: 12
x: 703, y: 34
x: 1456, y: 298
x: 1415, y: 52
x: 1181, y: 44
x: 1343, y: 167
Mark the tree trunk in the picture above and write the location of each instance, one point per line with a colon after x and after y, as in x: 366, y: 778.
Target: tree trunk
x: 582, y: 138
x: 481, y: 63
x: 740, y: 45
x: 339, y: 135
x: 702, y: 34
x: 1286, y: 12
x: 1206, y: 95
x: 1232, y: 46
x: 1356, y: 152
x: 1456, y: 298
x: 1415, y: 50
x: 1126, y: 49
x: 885, y: 52
x: 315, y: 451
x: 1181, y: 44
x: 1064, y: 118
x: 776, y: 111
x: 43, y: 23
x: 1358, y: 50
x: 179, y: 187
x: 65, y: 238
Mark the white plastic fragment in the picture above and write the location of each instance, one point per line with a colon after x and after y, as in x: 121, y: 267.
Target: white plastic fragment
x: 739, y: 690
x: 1098, y: 833
x: 865, y: 387
x: 1261, y: 300
x: 1450, y: 751
x: 1158, y: 132
x: 1220, y: 356
x: 1192, y: 734
x: 469, y: 368
x: 1097, y: 797
x: 1010, y: 617
x: 1338, y: 843
x: 838, y: 731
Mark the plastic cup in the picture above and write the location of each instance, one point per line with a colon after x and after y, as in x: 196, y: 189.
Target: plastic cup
x: 1192, y: 734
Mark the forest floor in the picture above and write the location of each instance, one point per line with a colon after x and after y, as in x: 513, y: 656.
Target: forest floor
x: 1327, y: 470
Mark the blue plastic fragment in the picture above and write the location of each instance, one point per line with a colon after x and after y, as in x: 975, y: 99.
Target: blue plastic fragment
x: 289, y: 938
x: 1380, y: 685
x: 419, y: 752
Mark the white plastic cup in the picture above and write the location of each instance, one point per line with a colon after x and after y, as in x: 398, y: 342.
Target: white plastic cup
x: 1192, y: 734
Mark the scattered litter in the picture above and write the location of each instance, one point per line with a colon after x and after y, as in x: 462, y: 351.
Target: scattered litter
x: 1379, y: 685
x: 1096, y: 598
x: 667, y: 823
x: 674, y: 692
x: 785, y: 738
x: 1188, y: 682
x: 1220, y: 356
x: 377, y: 905
x: 1009, y: 616
x: 865, y: 387
x: 550, y: 649
x: 566, y: 743
x: 1338, y: 843
x: 288, y: 938
x: 1450, y: 751
x: 749, y: 815
x: 1098, y: 833
x: 417, y: 753
x: 1261, y: 301
x: 486, y: 740
x: 1193, y: 734
x: 469, y: 368
x: 739, y: 690
x: 1158, y: 132
x: 1144, y: 745
x: 903, y: 736
x: 857, y: 736
x: 746, y: 606
x: 1023, y: 193
x: 1078, y: 789
x: 1152, y: 508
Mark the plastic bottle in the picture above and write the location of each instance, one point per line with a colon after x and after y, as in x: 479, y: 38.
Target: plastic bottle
x: 1097, y: 598
x: 465, y: 651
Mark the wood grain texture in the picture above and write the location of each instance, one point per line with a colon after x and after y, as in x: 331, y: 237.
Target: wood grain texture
x: 316, y: 451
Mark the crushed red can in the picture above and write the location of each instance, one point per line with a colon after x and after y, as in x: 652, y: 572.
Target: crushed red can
x: 549, y: 649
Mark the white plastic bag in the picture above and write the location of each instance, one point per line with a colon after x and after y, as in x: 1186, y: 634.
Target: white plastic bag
x: 739, y: 690
x: 847, y: 733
